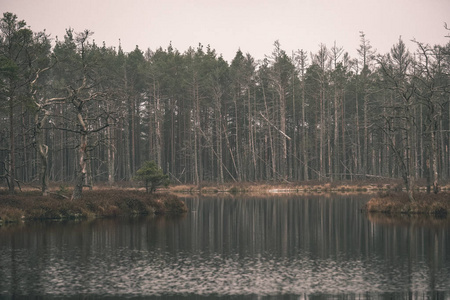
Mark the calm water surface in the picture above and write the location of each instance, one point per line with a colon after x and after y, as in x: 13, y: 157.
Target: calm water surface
x: 298, y: 247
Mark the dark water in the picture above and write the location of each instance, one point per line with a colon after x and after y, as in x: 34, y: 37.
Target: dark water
x: 233, y: 248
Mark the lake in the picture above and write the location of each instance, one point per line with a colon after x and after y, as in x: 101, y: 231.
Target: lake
x: 280, y: 247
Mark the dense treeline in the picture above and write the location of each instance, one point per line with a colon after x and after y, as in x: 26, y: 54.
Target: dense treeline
x: 86, y: 113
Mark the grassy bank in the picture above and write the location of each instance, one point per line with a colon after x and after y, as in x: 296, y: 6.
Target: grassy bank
x: 98, y: 203
x: 128, y: 200
x: 389, y: 197
x: 298, y: 187
x: 398, y: 203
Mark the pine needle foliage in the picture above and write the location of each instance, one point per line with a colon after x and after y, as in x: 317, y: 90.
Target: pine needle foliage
x: 152, y: 175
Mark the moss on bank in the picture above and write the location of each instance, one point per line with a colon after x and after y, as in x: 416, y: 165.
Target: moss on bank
x: 398, y: 203
x: 97, y: 203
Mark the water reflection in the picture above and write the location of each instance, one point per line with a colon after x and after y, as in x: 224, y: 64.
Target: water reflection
x: 289, y: 247
x: 282, y: 226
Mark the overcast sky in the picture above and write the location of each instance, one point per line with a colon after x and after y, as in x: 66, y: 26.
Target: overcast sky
x: 251, y: 25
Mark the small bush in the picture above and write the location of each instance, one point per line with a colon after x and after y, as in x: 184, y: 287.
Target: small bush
x: 233, y: 190
x: 152, y: 176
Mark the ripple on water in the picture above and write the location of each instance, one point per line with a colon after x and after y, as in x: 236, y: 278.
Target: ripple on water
x: 144, y: 273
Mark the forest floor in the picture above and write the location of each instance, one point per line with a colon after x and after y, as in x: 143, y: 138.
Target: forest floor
x: 30, y: 205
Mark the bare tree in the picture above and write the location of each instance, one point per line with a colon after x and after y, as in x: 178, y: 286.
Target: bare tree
x: 396, y: 68
x: 432, y: 86
x: 42, y: 113
x: 302, y: 59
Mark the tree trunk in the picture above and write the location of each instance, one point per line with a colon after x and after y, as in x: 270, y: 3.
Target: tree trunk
x: 365, y: 155
x: 12, y: 150
x: 283, y: 168
x: 409, y: 153
x: 322, y: 132
x: 434, y: 161
x: 81, y: 173
x: 111, y: 155
x: 336, y: 134
x: 344, y: 150
x: 43, y: 152
x: 196, y: 136
x: 441, y: 149
x: 293, y: 145
x: 133, y: 134
x: 238, y: 150
x: 271, y: 144
x: 219, y: 155
x: 82, y: 166
x: 328, y: 134
x: 252, y: 136
x: 358, y: 168
x: 304, y: 149
x: 172, y: 140
x: 158, y: 125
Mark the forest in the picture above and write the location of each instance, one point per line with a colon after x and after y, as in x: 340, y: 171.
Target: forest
x: 78, y: 112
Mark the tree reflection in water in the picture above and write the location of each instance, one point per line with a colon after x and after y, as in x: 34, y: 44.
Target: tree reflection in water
x: 281, y: 247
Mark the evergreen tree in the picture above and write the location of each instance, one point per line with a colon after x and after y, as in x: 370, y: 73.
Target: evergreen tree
x: 152, y: 176
x: 16, y: 74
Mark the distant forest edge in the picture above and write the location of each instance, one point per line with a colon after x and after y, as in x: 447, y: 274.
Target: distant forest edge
x: 84, y: 113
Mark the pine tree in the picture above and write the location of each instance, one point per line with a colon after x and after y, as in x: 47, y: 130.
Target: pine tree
x: 152, y: 176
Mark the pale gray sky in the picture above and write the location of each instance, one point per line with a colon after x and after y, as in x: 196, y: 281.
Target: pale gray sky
x: 251, y: 25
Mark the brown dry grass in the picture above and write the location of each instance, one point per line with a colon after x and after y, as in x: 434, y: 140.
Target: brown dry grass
x: 430, y: 204
x: 95, y: 203
x: 263, y: 188
x: 260, y: 187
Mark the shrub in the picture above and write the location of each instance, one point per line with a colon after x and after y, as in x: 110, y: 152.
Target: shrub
x: 152, y: 175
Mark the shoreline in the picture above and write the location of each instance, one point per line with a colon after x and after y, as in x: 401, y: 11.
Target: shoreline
x: 30, y: 205
x: 300, y: 188
x: 389, y: 203
x: 388, y: 198
x: 126, y: 200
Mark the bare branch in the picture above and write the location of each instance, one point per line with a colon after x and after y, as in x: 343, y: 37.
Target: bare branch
x: 271, y: 124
